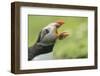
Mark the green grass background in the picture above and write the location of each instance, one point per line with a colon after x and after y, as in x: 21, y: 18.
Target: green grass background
x: 74, y: 46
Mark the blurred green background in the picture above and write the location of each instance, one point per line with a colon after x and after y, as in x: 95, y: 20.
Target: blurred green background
x: 74, y: 46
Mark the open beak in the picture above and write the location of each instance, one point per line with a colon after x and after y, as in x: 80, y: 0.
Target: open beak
x: 60, y: 35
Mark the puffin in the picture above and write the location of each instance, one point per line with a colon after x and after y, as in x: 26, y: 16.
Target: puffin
x: 46, y: 39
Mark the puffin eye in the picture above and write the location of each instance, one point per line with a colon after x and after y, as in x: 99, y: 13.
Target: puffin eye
x: 47, y: 31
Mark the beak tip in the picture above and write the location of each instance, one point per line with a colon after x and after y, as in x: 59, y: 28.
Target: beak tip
x: 60, y: 21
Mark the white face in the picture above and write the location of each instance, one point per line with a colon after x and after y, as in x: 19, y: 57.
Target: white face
x: 51, y: 36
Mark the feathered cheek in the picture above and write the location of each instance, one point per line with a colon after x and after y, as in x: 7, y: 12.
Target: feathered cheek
x: 54, y: 37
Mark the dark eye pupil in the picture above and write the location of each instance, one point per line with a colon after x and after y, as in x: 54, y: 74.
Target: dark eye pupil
x: 47, y: 31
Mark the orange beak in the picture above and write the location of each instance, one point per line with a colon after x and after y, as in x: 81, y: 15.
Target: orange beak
x: 60, y: 22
